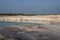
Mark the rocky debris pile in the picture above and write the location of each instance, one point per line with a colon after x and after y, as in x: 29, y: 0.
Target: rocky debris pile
x: 13, y: 33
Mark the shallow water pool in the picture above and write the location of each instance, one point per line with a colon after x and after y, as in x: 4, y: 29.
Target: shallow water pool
x: 2, y: 23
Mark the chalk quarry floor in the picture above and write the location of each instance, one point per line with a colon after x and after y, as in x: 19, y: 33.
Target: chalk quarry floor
x: 45, y: 32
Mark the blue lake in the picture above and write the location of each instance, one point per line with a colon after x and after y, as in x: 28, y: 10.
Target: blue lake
x: 17, y: 23
x: 8, y: 23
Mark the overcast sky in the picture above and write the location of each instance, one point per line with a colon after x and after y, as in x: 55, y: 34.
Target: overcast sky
x: 30, y: 6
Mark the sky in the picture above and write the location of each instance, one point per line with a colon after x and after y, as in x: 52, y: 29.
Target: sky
x: 30, y: 6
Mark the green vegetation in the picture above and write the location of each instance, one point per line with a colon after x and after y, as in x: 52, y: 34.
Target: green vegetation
x: 24, y: 14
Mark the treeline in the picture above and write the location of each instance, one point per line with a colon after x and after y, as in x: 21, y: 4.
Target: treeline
x: 11, y: 14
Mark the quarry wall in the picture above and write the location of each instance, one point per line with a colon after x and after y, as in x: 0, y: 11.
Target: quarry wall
x: 46, y: 19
